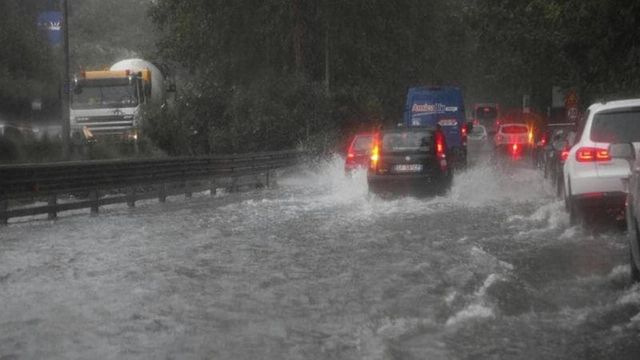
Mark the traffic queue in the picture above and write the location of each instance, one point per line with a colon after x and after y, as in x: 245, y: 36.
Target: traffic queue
x: 592, y: 163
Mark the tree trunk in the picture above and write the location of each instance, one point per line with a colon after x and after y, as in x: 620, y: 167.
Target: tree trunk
x: 298, y: 35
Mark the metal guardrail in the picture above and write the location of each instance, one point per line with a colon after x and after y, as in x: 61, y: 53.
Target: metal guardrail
x: 94, y: 178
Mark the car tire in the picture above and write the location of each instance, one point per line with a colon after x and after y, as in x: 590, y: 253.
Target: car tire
x: 575, y: 212
x: 444, y: 185
x: 572, y: 207
x: 633, y: 234
x: 634, y: 271
x: 559, y: 187
x: 565, y: 197
x: 545, y: 170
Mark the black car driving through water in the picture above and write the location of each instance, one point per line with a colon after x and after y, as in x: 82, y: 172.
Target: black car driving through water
x: 558, y: 141
x: 412, y: 159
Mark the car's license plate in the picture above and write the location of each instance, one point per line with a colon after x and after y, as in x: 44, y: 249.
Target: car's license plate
x: 408, y: 168
x: 448, y: 122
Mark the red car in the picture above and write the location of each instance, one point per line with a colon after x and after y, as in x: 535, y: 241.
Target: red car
x: 359, y: 153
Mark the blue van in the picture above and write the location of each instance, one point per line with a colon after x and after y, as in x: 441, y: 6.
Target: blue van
x: 440, y: 105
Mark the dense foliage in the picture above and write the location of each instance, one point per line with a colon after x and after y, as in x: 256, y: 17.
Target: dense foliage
x: 528, y: 46
x: 25, y: 60
x: 103, y: 32
x: 272, y: 74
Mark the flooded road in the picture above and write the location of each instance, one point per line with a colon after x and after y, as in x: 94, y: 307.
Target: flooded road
x: 318, y: 269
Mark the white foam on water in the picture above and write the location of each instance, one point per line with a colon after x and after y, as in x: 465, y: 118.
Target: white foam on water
x: 486, y: 184
x: 473, y: 311
x: 619, y: 272
x: 372, y: 338
x: 631, y: 296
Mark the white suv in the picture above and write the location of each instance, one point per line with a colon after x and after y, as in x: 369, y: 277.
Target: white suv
x: 591, y: 176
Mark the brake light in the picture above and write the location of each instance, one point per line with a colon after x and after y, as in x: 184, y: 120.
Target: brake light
x: 514, y: 148
x: 441, y: 147
x: 464, y: 130
x: 564, y: 155
x: 589, y: 154
x: 375, y: 152
x: 350, y: 153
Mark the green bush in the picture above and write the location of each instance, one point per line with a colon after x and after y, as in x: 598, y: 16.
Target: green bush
x: 270, y: 114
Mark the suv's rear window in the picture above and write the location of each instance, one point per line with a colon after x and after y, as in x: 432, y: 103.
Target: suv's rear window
x: 406, y: 141
x: 362, y: 142
x: 514, y: 129
x: 620, y: 126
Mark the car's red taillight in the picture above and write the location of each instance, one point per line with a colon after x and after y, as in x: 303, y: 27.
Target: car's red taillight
x: 441, y: 148
x: 589, y: 154
x: 375, y: 152
x: 464, y: 131
x: 564, y: 155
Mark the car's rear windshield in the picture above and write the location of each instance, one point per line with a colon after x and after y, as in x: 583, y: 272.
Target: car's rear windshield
x: 362, y: 142
x: 514, y: 129
x: 619, y: 126
x: 478, y: 130
x: 486, y: 113
x: 406, y: 141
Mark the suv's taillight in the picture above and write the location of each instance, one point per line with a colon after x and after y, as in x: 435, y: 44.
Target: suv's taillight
x: 350, y: 153
x: 564, y: 155
x: 375, y: 152
x: 590, y: 154
x: 464, y: 131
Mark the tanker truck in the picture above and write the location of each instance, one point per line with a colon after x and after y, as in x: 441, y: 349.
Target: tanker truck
x: 106, y: 103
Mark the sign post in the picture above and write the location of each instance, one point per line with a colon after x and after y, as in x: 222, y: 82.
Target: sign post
x: 66, y: 85
x: 571, y: 105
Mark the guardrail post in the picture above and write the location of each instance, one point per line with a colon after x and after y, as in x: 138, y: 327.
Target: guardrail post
x: 95, y: 202
x: 271, y: 178
x: 257, y: 180
x: 52, y: 202
x: 162, y: 193
x: 213, y: 187
x: 4, y: 216
x: 187, y: 189
x: 131, y: 197
x: 234, y: 184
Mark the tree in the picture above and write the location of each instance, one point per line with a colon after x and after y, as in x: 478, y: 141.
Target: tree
x: 26, y: 64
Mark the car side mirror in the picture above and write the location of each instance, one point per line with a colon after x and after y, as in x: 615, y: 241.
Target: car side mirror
x: 622, y: 151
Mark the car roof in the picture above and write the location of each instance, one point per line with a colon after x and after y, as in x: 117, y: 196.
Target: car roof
x: 407, y: 129
x: 610, y: 105
x: 514, y: 124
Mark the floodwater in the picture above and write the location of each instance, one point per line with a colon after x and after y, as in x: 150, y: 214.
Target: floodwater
x: 318, y: 269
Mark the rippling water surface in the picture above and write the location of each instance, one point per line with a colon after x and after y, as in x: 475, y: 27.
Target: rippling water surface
x: 318, y: 269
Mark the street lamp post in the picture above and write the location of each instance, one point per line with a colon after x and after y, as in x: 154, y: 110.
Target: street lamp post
x: 66, y: 85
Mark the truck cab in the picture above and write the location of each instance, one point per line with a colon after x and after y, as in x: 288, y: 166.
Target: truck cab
x: 443, y: 107
x: 106, y: 103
